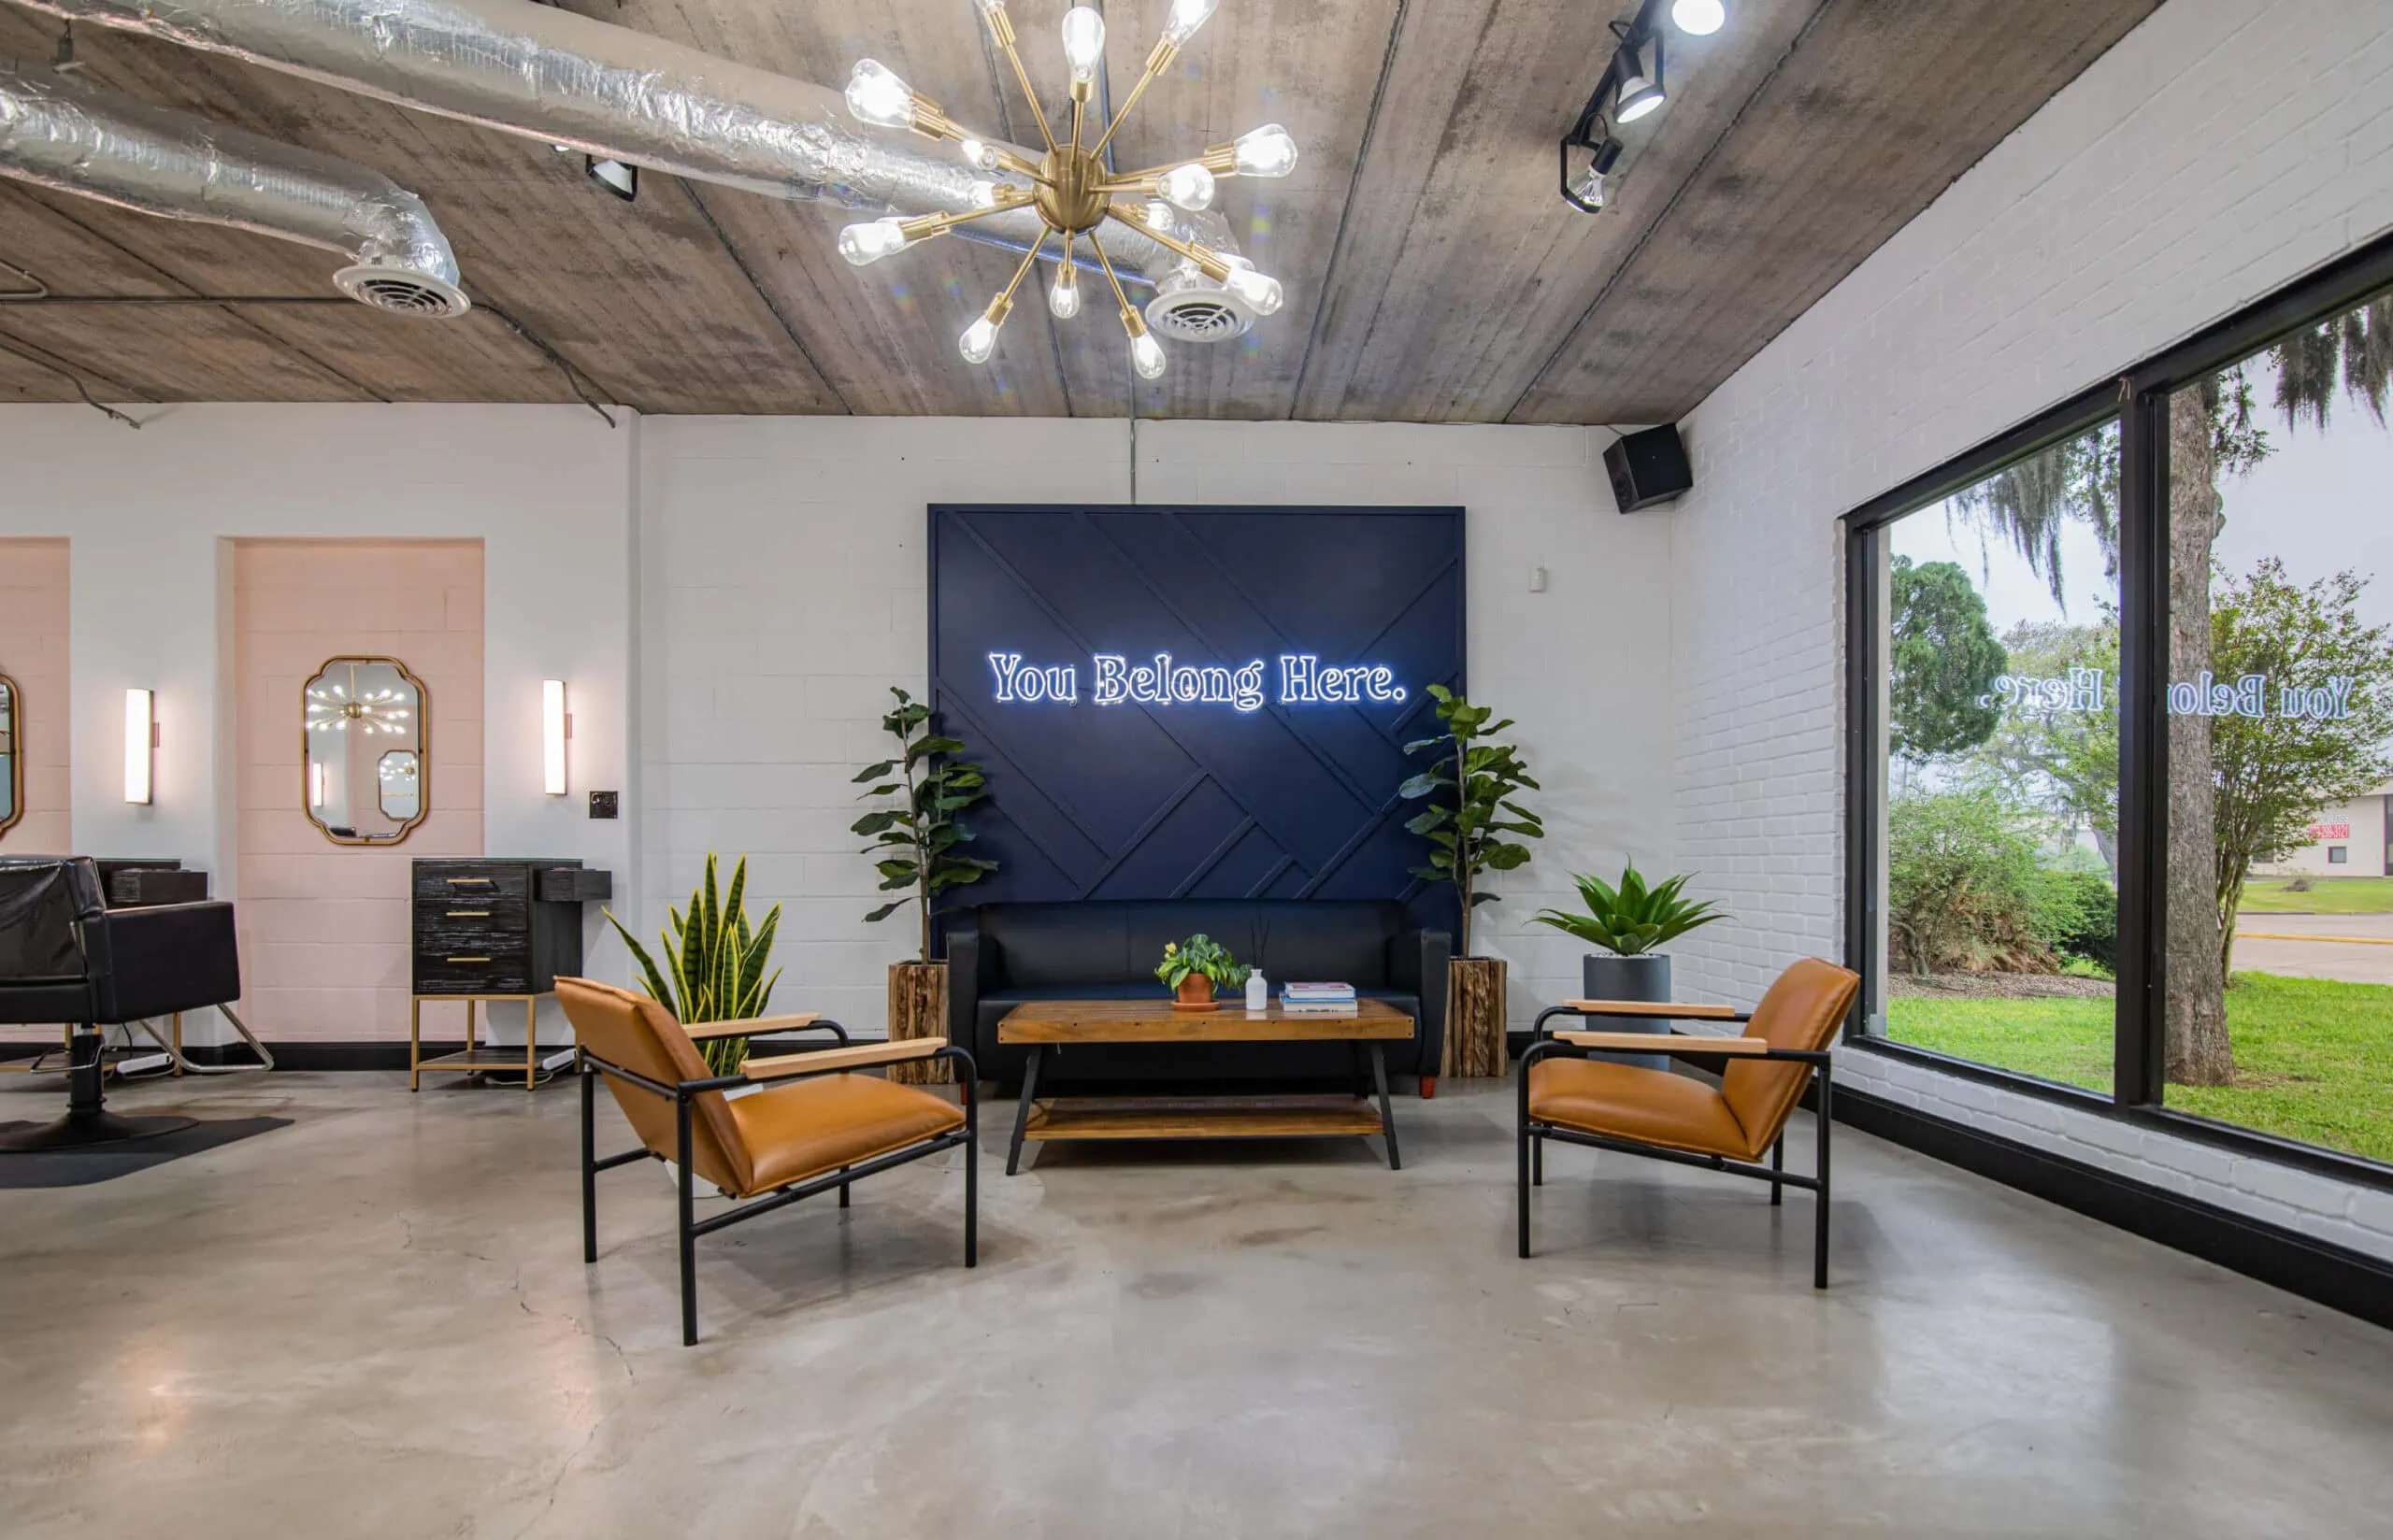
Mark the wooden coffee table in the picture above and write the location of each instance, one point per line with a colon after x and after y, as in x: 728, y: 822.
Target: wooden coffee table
x: 1047, y: 1026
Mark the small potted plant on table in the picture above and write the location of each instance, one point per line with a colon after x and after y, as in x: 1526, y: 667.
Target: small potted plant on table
x: 1628, y: 922
x: 1192, y: 969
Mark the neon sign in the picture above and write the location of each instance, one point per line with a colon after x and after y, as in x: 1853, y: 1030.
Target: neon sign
x: 1115, y: 679
x: 2082, y: 690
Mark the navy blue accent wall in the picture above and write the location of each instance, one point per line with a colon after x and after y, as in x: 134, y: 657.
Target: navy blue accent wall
x: 1199, y: 799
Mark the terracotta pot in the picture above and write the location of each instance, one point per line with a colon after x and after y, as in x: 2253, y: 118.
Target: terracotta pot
x: 1196, y: 992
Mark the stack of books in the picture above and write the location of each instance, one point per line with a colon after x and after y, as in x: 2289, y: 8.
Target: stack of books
x: 1318, y: 999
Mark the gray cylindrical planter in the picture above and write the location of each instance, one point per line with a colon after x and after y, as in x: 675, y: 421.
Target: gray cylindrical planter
x: 1607, y: 976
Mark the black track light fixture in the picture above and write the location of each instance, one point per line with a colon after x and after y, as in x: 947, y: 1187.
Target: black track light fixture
x: 1637, y: 76
x: 1585, y: 191
x: 1631, y: 87
x: 620, y: 178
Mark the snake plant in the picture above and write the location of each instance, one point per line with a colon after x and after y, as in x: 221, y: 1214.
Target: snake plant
x: 716, y: 962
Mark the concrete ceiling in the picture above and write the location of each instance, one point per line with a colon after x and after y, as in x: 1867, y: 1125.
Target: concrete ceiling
x: 1432, y: 272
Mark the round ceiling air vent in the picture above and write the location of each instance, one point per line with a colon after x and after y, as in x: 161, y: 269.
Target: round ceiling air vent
x: 1189, y: 307
x: 402, y: 292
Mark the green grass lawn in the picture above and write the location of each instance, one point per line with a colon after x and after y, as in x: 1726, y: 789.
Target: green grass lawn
x: 2313, y: 1058
x: 2327, y: 895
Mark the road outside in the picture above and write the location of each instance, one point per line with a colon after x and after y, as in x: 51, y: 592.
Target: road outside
x: 2357, y: 949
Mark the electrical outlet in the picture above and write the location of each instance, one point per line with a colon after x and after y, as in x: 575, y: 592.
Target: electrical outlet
x: 602, y: 804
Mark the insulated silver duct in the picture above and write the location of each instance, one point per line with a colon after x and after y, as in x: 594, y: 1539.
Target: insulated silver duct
x: 74, y: 136
x: 565, y: 79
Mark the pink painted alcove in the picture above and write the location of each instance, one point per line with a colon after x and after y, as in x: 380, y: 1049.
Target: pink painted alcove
x: 33, y: 651
x: 324, y: 926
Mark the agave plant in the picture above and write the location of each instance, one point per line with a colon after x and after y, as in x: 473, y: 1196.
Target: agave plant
x: 1631, y: 920
x: 717, y: 963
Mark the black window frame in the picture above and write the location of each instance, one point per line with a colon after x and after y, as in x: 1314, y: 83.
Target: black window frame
x: 2138, y: 397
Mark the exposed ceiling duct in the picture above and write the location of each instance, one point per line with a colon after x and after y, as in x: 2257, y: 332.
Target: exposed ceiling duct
x: 563, y: 78
x: 77, y: 137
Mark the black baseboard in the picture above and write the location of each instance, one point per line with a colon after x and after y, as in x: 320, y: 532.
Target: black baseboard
x: 2351, y: 1281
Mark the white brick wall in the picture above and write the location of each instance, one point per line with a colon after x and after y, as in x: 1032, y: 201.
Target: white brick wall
x: 2219, y: 151
x: 783, y: 591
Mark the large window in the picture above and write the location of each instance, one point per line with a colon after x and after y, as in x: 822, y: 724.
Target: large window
x: 1997, y: 724
x: 2120, y: 742
x: 2279, y: 952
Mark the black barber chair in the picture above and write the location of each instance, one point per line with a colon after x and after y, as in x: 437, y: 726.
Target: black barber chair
x: 65, y: 956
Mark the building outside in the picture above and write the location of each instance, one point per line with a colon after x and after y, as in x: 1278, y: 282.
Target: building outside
x: 2345, y: 840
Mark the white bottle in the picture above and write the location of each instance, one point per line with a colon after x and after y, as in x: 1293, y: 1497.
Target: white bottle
x: 1258, y: 991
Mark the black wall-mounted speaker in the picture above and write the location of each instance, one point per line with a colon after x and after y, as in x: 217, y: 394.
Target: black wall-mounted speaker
x: 1647, y: 467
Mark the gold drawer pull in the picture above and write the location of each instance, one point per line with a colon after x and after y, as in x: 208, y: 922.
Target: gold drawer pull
x: 469, y: 960
x: 469, y: 914
x: 469, y: 882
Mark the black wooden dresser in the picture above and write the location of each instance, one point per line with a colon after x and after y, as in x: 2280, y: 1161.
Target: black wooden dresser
x: 488, y: 929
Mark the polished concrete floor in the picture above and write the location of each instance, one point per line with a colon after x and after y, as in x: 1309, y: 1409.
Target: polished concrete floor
x: 377, y: 1322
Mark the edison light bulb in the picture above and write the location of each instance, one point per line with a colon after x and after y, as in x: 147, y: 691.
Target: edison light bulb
x: 1590, y: 187
x: 864, y: 244
x: 979, y: 341
x: 1146, y: 356
x: 1159, y: 217
x: 977, y: 154
x: 876, y: 95
x: 984, y: 194
x: 1063, y: 298
x: 1699, y: 18
x: 1268, y: 151
x: 1189, y: 187
x: 1188, y: 15
x: 1083, y: 42
x: 1258, y: 290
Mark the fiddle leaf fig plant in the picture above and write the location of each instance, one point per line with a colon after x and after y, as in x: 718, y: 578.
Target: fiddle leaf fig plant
x: 716, y: 962
x: 1200, y: 954
x: 1632, y: 919
x: 1473, y: 822
x: 916, y: 843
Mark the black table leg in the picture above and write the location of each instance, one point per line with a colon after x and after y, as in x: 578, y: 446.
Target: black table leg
x: 1387, y: 1114
x: 1022, y: 1108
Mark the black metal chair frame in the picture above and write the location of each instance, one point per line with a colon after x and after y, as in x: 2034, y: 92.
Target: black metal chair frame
x: 1534, y: 1133
x: 682, y: 1094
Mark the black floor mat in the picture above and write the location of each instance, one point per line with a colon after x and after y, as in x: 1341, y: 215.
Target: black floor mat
x: 83, y: 1167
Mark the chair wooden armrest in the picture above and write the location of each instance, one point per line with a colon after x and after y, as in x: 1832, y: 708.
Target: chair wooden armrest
x: 758, y: 1026
x: 858, y: 1056
x: 1663, y: 1009
x: 1669, y: 1042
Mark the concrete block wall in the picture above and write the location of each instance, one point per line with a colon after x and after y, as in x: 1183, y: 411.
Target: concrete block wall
x: 151, y: 517
x: 783, y: 591
x: 2219, y: 151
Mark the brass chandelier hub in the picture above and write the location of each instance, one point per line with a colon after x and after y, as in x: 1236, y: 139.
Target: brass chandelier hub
x: 1069, y: 193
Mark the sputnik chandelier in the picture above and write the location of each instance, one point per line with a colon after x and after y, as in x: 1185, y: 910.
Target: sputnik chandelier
x: 1069, y: 186
x: 333, y: 709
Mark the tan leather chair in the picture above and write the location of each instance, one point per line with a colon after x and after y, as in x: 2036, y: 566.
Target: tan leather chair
x: 819, y: 1126
x: 1567, y: 1096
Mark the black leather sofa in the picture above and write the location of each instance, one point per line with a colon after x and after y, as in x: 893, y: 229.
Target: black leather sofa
x: 1000, y: 955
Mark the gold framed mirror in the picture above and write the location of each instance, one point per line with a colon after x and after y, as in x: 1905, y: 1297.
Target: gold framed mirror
x: 364, y: 752
x: 12, y: 753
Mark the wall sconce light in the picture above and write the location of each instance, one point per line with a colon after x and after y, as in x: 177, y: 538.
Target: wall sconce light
x: 555, y: 727
x: 140, y: 737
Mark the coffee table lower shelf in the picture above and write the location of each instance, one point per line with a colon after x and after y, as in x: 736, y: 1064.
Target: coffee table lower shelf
x: 1201, y: 1118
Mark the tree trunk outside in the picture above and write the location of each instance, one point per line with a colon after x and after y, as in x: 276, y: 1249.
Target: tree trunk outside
x: 2195, y: 1019
x: 1474, y: 1018
x: 918, y: 1008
